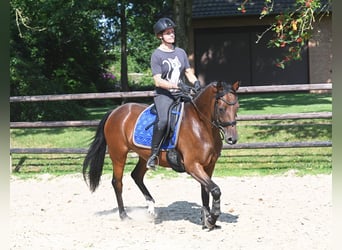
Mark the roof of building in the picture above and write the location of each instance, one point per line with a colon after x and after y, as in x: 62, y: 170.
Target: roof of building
x: 219, y: 8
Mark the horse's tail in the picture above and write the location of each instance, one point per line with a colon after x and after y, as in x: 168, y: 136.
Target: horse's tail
x: 96, y: 155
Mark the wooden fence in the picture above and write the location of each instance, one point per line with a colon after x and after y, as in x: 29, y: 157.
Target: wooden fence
x: 135, y: 94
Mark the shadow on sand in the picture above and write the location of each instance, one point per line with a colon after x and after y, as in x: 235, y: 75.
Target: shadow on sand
x: 176, y: 211
x: 183, y: 210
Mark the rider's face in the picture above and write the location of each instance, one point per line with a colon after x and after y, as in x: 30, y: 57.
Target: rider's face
x: 169, y: 35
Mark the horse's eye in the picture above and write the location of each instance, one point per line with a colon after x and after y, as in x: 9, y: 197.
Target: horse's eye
x: 221, y: 110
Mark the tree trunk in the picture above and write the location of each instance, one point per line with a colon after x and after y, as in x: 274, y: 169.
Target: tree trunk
x: 182, y: 17
x: 123, y: 26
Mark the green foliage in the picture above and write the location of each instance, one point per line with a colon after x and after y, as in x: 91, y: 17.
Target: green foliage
x: 293, y: 28
x: 55, y: 48
x: 62, y: 46
x: 50, y: 111
x: 66, y: 53
x: 141, y: 40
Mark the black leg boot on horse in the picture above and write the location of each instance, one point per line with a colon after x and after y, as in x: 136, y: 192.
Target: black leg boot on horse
x: 157, y: 140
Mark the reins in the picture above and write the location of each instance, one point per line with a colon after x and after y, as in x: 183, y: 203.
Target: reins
x: 203, y: 116
x: 217, y: 123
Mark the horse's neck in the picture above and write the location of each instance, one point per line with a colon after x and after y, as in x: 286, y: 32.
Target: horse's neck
x: 205, y: 104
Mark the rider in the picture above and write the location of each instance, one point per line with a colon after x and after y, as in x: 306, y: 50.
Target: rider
x: 169, y: 64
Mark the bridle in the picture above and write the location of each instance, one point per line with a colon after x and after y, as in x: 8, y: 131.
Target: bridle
x: 219, y: 96
x: 216, y: 122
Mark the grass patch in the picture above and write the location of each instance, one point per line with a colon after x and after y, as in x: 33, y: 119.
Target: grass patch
x: 284, y: 103
x: 52, y: 137
x: 234, y: 162
x: 274, y: 161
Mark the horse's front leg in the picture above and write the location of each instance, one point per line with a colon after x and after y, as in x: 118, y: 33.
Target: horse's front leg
x: 205, y: 197
x: 209, y: 217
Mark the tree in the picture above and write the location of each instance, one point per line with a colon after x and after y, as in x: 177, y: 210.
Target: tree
x: 183, y: 19
x: 61, y: 46
x: 292, y: 28
x: 128, y: 33
x: 123, y: 26
x: 55, y: 48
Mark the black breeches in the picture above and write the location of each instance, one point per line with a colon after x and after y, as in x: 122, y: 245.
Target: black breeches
x: 163, y: 104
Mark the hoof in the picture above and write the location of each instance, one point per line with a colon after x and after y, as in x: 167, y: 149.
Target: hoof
x: 124, y: 216
x: 150, y: 208
x: 212, y: 227
x: 208, y: 220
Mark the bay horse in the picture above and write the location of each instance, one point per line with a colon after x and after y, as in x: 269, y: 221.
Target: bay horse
x: 210, y: 116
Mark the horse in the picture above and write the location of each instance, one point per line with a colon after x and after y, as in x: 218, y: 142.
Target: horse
x: 207, y: 119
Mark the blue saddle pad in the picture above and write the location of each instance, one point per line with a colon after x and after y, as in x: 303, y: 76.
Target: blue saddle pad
x: 143, y: 130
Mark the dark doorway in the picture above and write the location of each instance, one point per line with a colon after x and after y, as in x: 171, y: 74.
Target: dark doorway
x: 232, y: 54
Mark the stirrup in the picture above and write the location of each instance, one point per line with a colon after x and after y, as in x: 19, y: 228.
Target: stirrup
x: 152, y: 162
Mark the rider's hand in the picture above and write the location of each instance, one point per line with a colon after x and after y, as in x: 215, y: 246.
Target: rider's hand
x: 197, y: 86
x: 183, y: 87
x: 174, y: 86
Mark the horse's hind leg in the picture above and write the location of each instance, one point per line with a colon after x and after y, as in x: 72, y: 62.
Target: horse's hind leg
x: 118, y: 169
x: 138, y: 174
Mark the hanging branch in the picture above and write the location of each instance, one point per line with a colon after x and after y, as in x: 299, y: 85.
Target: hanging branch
x: 20, y: 19
x: 293, y: 28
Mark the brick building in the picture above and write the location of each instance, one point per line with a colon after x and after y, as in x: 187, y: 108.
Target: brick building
x: 226, y: 49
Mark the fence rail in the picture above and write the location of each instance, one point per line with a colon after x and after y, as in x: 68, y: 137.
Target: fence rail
x: 255, y: 145
x: 250, y: 89
x: 94, y: 123
x: 134, y: 94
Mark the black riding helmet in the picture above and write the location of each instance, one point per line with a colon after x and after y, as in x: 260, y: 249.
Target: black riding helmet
x: 163, y: 24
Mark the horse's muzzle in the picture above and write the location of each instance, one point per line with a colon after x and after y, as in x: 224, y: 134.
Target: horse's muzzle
x: 231, y: 140
x: 231, y: 135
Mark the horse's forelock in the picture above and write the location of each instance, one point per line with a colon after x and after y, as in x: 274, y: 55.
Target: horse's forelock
x: 223, y: 88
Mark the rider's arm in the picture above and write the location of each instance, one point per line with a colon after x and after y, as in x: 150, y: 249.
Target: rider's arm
x: 162, y: 83
x: 189, y: 73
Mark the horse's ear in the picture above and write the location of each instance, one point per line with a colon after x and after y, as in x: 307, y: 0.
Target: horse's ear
x: 236, y: 85
x: 218, y: 84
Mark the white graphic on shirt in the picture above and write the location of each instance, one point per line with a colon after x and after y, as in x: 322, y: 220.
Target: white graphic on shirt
x: 173, y: 72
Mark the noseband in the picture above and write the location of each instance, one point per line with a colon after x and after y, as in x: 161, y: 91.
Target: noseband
x: 219, y: 96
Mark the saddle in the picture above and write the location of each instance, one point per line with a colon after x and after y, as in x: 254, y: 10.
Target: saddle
x: 143, y: 132
x: 143, y: 129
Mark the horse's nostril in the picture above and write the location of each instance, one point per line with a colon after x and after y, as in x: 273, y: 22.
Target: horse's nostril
x: 231, y: 141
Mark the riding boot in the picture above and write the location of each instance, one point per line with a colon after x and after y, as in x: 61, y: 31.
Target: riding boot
x: 157, y: 139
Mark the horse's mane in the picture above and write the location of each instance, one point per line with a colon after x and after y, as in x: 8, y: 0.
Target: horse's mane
x: 219, y: 85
